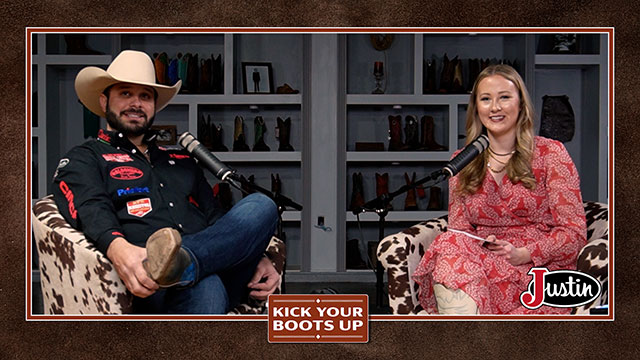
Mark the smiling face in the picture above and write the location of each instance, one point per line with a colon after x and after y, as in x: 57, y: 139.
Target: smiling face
x: 129, y: 108
x: 498, y: 105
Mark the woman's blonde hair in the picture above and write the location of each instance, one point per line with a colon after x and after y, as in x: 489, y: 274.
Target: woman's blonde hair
x: 519, y: 166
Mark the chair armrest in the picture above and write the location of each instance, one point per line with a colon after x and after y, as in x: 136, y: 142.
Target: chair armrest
x: 400, y: 254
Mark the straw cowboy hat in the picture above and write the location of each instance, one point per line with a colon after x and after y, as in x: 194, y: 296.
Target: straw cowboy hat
x: 129, y: 66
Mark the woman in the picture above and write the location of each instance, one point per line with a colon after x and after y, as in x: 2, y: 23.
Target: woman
x: 522, y: 194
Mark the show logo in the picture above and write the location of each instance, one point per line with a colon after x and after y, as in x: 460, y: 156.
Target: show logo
x: 559, y: 288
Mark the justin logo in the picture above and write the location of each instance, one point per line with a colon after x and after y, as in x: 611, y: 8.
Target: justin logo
x: 560, y: 288
x: 139, y: 207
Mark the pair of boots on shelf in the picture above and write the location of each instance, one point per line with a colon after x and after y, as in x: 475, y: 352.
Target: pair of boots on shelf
x: 210, y: 135
x: 283, y: 134
x: 382, y: 187
x: 276, y: 184
x: 450, y: 77
x: 222, y: 190
x: 198, y: 77
x: 415, y: 139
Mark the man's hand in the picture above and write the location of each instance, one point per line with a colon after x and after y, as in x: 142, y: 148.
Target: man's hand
x: 262, y: 289
x: 127, y: 259
x: 515, y: 256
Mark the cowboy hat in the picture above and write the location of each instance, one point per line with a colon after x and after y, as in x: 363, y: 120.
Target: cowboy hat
x: 129, y: 66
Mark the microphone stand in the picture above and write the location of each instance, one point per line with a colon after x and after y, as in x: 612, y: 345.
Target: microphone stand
x: 379, y: 206
x: 281, y: 202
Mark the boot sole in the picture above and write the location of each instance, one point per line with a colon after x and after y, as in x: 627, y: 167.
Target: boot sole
x: 162, y: 247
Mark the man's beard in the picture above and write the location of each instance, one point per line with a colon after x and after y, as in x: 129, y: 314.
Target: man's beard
x: 117, y: 124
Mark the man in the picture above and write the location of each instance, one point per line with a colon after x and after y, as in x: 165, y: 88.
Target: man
x: 151, y: 211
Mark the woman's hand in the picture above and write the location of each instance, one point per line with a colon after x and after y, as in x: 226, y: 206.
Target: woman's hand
x: 514, y: 255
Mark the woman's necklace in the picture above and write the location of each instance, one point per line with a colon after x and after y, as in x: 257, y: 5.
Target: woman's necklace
x: 497, y: 154
x: 495, y: 171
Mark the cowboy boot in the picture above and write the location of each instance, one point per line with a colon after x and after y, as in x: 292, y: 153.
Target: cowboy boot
x: 204, y: 132
x: 259, y: 129
x: 192, y: 74
x: 474, y: 71
x: 160, y: 63
x: 276, y: 184
x: 382, y: 186
x: 247, y: 190
x: 456, y: 83
x: 411, y: 134
x: 172, y: 72
x: 357, y: 197
x: 217, y: 141
x: 183, y: 64
x: 283, y: 133
x: 205, y: 76
x: 166, y: 260
x: 395, y: 133
x: 410, y: 201
x: 239, y: 143
x: 77, y: 45
x: 429, y: 82
x: 446, y: 75
x: 217, y: 74
x: 428, y: 141
x: 420, y: 191
x: 435, y: 201
x: 222, y: 192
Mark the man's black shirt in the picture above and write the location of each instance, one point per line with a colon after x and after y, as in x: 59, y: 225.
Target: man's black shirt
x: 106, y: 188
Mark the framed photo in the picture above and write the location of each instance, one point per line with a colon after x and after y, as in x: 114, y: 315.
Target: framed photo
x: 257, y: 78
x: 167, y: 134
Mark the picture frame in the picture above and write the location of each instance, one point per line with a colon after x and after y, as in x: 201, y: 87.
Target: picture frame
x: 167, y: 134
x: 257, y: 78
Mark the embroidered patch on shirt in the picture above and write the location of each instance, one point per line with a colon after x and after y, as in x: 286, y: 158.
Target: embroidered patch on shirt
x: 117, y: 157
x: 126, y: 173
x: 178, y: 156
x: 139, y: 207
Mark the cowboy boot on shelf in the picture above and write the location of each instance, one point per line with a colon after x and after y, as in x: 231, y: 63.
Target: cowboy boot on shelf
x: 217, y: 141
x: 77, y: 45
x: 411, y: 133
x: 456, y: 83
x: 205, y: 132
x: 217, y: 77
x: 161, y: 64
x: 247, y: 189
x: 283, y: 133
x: 172, y: 72
x: 429, y: 78
x: 446, y: 75
x: 357, y: 195
x: 395, y: 133
x: 410, y: 201
x: 222, y: 192
x: 474, y: 71
x: 192, y: 74
x: 205, y: 76
x: 435, y: 199
x: 183, y: 64
x: 276, y: 184
x: 239, y: 143
x: 428, y: 141
x: 382, y: 186
x: 421, y: 192
x: 259, y: 129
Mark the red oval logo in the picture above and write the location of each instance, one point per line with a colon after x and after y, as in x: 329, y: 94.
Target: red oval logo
x: 126, y: 173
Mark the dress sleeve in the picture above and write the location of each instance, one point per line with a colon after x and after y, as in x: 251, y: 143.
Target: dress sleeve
x: 568, y: 224
x: 81, y: 197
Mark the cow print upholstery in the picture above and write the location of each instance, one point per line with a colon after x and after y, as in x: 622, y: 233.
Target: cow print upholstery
x: 78, y: 279
x: 401, y: 253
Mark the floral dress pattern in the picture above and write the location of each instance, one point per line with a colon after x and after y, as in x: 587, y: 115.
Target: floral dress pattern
x: 549, y: 221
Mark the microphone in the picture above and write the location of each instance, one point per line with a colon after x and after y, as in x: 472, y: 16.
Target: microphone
x: 475, y: 148
x: 205, y: 157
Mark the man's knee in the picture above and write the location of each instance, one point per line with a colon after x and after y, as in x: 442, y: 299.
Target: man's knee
x: 259, y: 206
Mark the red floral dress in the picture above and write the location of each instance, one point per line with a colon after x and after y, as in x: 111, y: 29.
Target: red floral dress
x: 549, y: 221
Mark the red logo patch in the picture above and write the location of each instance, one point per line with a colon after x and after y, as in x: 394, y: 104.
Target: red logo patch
x: 103, y: 136
x: 117, y: 157
x: 178, y: 156
x: 140, y: 207
x: 126, y: 173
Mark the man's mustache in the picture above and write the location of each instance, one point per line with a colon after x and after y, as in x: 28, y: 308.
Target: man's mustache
x: 135, y: 111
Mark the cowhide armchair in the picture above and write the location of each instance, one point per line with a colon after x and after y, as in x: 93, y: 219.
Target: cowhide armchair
x: 78, y: 279
x: 400, y: 255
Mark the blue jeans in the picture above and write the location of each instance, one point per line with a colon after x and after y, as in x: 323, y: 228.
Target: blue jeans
x: 225, y: 256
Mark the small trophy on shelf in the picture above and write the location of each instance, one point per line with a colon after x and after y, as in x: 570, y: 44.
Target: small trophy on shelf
x: 378, y: 72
